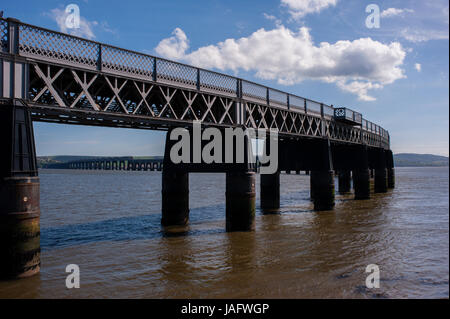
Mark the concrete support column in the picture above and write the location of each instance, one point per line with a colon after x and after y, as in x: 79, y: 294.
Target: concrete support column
x: 390, y: 169
x: 361, y: 183
x: 175, y: 197
x: 381, y: 173
x: 344, y: 181
x: 322, y: 177
x: 322, y: 187
x: 390, y: 177
x: 361, y: 174
x: 270, y: 192
x: 380, y: 180
x: 240, y: 201
x: 19, y: 195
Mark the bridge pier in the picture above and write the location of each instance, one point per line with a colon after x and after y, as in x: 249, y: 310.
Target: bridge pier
x: 240, y: 201
x: 322, y: 188
x: 311, y: 189
x: 380, y: 172
x: 361, y: 174
x: 344, y: 181
x: 322, y: 177
x: 19, y: 195
x: 270, y: 192
x: 175, y: 197
x: 390, y: 169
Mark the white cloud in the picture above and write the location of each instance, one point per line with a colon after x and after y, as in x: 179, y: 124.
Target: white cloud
x: 269, y: 17
x: 272, y: 18
x: 175, y: 46
x: 85, y: 29
x: 422, y: 35
x: 290, y: 57
x: 392, y: 12
x: 300, y: 8
x: 418, y: 67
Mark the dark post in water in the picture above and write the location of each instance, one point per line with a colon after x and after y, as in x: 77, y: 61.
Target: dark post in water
x: 19, y: 195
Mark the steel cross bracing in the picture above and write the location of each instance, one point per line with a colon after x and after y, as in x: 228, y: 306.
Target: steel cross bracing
x: 68, y: 79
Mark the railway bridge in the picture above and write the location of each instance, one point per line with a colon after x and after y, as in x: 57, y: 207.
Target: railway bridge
x: 53, y: 77
x: 127, y: 163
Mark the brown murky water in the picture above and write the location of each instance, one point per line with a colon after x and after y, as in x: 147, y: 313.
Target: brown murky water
x: 109, y: 224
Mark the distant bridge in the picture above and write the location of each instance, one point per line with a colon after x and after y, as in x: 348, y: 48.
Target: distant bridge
x: 54, y: 77
x: 112, y: 163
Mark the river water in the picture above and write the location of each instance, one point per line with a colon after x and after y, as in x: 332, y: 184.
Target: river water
x: 108, y: 223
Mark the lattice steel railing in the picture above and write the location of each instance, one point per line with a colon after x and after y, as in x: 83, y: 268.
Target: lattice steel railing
x: 124, y: 62
x: 297, y: 103
x: 313, y: 107
x: 57, y: 47
x: 216, y: 82
x: 3, y: 35
x: 254, y: 92
x: 176, y: 73
x: 265, y: 107
x: 277, y: 98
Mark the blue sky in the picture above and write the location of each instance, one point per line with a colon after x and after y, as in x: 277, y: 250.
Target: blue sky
x: 395, y: 75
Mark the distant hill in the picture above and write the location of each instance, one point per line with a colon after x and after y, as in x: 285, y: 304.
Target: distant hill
x: 44, y: 161
x: 411, y: 159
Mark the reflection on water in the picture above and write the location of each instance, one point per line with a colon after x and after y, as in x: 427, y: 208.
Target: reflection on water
x: 109, y: 224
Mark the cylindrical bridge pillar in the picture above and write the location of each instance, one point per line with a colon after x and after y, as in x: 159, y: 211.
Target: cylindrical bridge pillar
x: 361, y: 174
x: 270, y: 192
x: 321, y: 175
x: 19, y: 227
x: 19, y: 195
x: 390, y: 177
x: 175, y: 197
x: 322, y: 188
x: 380, y: 173
x: 344, y: 181
x: 390, y: 169
x: 380, y: 180
x: 240, y: 201
x: 361, y: 183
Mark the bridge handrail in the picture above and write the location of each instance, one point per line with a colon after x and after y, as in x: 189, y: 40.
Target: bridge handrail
x: 54, y: 46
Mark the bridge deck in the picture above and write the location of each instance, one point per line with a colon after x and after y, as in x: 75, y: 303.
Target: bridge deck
x: 72, y: 80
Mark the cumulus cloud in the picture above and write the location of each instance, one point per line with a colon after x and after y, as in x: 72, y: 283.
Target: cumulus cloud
x: 392, y: 12
x: 290, y: 57
x: 300, y: 8
x: 85, y: 29
x: 418, y: 67
x: 175, y: 46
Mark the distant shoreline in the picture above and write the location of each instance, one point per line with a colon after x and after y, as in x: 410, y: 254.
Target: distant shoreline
x: 400, y: 159
x: 415, y: 166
